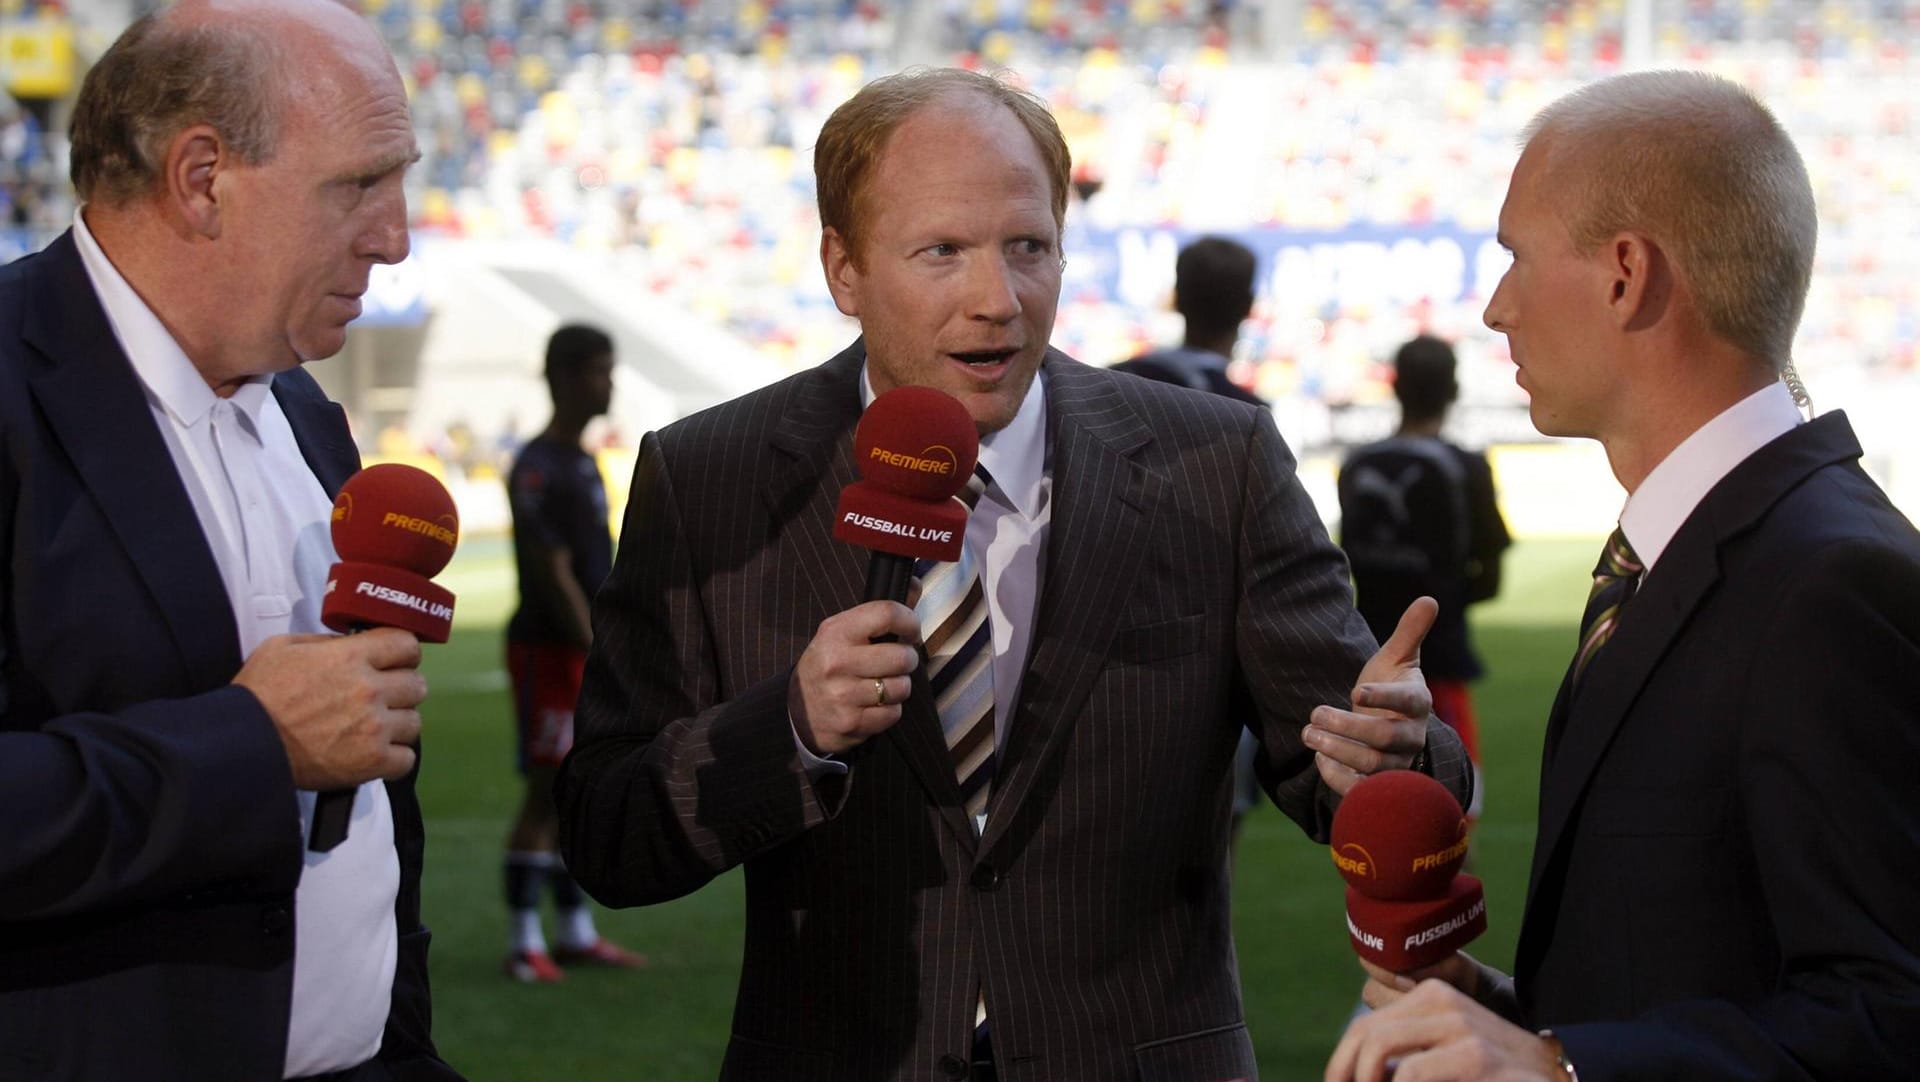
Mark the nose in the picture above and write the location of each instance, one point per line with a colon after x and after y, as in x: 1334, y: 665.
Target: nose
x: 992, y: 297
x: 1495, y: 314
x: 386, y: 240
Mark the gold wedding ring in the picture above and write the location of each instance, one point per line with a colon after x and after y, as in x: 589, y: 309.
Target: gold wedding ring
x: 879, y: 692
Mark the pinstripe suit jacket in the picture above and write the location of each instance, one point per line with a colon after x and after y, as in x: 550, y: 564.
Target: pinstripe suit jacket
x: 1189, y: 585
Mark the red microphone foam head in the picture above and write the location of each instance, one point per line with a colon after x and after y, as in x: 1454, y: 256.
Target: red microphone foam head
x: 917, y: 442
x: 395, y: 516
x: 1399, y: 835
x: 875, y: 518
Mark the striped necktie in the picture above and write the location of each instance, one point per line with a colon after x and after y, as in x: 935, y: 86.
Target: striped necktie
x: 958, y: 638
x: 1615, y: 579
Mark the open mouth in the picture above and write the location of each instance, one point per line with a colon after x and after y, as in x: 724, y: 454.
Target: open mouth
x: 981, y: 358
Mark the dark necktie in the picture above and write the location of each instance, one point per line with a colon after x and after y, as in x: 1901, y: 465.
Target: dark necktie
x: 1615, y: 579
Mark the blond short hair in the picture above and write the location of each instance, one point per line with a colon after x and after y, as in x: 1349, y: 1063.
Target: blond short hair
x: 1698, y: 164
x: 856, y: 134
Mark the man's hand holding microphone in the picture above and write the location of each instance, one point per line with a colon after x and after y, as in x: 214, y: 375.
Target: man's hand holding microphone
x: 915, y: 448
x: 346, y: 706
x: 1399, y: 840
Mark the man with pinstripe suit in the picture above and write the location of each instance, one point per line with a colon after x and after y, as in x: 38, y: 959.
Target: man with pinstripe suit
x: 1149, y: 574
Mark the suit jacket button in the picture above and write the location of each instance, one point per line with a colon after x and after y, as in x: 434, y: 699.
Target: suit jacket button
x: 276, y: 919
x: 986, y: 878
x: 953, y: 1066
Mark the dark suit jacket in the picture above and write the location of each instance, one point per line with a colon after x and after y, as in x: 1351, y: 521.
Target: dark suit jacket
x: 1727, y: 878
x: 1187, y: 581
x: 151, y: 841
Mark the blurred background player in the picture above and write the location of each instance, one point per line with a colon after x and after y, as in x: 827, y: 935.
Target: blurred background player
x: 1418, y: 515
x: 563, y: 548
x: 1213, y: 292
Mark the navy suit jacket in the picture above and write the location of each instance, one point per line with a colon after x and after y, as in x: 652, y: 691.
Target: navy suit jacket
x: 1726, y: 882
x: 1188, y: 589
x: 149, y: 831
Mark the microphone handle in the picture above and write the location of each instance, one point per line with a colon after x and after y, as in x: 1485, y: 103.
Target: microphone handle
x: 888, y: 576
x: 333, y: 809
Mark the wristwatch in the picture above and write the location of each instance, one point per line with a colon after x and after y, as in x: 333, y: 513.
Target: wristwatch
x: 1559, y: 1053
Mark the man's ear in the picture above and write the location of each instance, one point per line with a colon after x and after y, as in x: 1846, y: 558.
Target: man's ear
x: 843, y: 278
x: 192, y: 175
x: 1640, y: 280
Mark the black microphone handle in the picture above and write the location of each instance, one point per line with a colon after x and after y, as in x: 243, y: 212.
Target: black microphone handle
x: 888, y: 576
x: 333, y: 809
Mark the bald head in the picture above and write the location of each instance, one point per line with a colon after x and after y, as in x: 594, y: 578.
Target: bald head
x: 234, y: 65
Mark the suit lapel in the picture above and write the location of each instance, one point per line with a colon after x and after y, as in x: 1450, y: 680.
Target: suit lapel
x: 1102, y: 503
x: 97, y: 410
x: 1583, y: 723
x: 319, y: 427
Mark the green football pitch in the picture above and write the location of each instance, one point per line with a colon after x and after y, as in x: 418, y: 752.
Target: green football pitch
x: 670, y: 1021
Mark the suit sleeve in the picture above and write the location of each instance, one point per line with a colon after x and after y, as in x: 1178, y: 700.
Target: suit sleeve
x: 157, y: 801
x: 1300, y: 641
x: 666, y: 786
x: 1831, y: 736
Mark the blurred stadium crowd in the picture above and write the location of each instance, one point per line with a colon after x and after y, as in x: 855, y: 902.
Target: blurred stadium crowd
x: 1361, y: 147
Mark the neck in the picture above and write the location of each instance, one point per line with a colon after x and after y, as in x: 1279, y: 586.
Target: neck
x: 565, y: 428
x: 1220, y: 343
x: 1681, y: 397
x: 1422, y: 426
x: 156, y: 260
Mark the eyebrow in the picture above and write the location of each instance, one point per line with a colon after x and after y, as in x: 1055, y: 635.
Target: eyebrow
x: 384, y: 166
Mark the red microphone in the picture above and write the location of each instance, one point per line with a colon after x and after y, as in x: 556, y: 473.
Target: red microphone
x: 394, y: 528
x: 915, y: 448
x: 1399, y: 839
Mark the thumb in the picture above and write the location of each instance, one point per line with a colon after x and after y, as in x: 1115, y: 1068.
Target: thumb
x: 1402, y: 648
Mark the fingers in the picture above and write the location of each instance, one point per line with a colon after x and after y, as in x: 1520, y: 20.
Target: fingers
x: 1379, y: 996
x: 846, y: 687
x: 1402, y: 698
x: 1338, y: 776
x: 1398, y: 982
x: 386, y: 648
x: 399, y: 758
x: 1364, y: 743
x: 1403, y: 646
x: 1378, y: 1046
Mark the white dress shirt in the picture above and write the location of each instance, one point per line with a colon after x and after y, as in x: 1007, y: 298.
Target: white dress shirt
x: 268, y: 523
x: 1657, y: 509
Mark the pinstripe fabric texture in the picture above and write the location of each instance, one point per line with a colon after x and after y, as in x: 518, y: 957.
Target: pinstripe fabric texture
x: 1187, y: 585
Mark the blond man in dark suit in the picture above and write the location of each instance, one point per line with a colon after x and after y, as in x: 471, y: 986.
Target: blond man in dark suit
x: 1152, y: 576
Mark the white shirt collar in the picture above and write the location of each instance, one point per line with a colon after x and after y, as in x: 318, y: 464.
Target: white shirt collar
x: 162, y: 366
x: 1656, y: 510
x: 1015, y: 456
